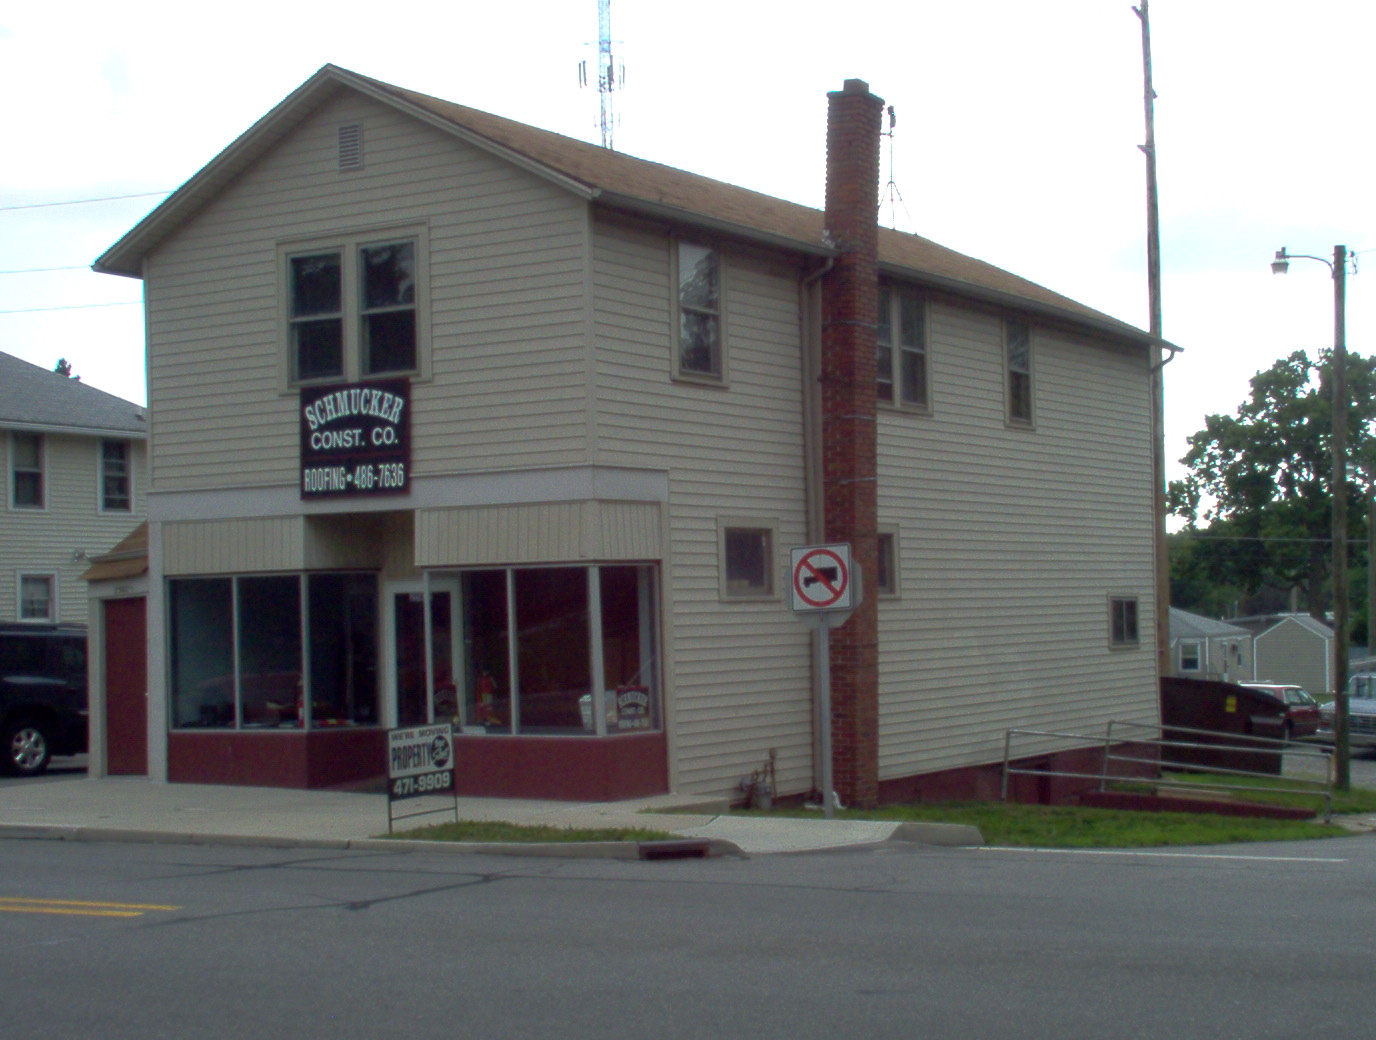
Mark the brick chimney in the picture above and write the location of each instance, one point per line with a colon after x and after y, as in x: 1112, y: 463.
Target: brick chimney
x: 850, y: 301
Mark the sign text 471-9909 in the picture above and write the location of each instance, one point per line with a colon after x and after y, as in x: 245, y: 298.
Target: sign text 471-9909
x: 355, y: 439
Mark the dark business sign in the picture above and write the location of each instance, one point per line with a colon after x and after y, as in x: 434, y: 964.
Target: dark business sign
x: 420, y: 761
x: 356, y: 439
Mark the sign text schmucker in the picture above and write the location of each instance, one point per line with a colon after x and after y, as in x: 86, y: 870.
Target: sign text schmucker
x: 356, y: 439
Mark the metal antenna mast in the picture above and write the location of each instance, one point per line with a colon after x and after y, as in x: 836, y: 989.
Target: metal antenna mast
x: 609, y: 74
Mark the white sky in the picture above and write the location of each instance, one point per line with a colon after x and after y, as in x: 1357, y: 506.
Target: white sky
x: 1017, y: 135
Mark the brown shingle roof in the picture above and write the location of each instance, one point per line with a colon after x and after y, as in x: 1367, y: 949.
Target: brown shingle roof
x: 618, y: 180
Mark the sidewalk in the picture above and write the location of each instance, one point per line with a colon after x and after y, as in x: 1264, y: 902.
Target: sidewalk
x: 135, y: 809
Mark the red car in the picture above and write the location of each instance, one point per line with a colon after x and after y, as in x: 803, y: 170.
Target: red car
x: 1301, y: 710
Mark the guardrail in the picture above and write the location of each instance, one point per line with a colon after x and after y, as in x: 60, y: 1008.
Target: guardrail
x: 1112, y: 756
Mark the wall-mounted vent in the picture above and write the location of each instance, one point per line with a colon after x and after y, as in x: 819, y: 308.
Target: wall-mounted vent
x: 351, y: 146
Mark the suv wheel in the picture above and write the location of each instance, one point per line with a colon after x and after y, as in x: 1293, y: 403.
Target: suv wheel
x: 26, y: 749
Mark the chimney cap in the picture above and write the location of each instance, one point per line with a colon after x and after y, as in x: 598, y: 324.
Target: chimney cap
x: 855, y: 86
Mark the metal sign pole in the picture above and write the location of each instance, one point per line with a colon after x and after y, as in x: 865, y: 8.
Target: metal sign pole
x: 823, y: 634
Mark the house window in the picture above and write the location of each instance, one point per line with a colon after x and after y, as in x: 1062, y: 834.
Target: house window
x: 747, y: 560
x: 352, y: 310
x: 1123, y: 621
x: 238, y: 646
x: 901, y: 358
x: 1189, y: 657
x: 1018, y: 355
x: 37, y: 597
x: 699, y: 330
x: 886, y: 581
x: 26, y: 471
x: 115, y: 486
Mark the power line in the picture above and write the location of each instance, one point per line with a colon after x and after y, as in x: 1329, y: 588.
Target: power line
x: 45, y: 270
x: 74, y: 307
x: 79, y: 202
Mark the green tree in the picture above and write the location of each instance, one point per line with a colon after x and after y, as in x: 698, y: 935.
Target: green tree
x: 1258, y: 495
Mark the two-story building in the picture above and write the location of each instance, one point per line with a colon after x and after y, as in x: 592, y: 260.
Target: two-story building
x: 459, y: 419
x: 73, y: 485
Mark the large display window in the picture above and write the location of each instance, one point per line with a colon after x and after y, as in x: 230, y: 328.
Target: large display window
x: 273, y: 651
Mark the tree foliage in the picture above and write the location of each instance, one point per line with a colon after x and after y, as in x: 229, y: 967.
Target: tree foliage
x: 1259, y: 492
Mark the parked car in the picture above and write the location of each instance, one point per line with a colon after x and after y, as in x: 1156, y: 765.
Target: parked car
x: 43, y: 708
x: 1301, y: 710
x: 1361, y: 711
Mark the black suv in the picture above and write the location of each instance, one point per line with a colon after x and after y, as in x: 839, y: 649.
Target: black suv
x: 42, y: 695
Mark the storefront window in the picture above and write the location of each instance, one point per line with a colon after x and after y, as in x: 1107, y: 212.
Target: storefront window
x: 552, y: 642
x: 343, y: 648
x: 557, y: 614
x: 202, y: 673
x: 262, y: 684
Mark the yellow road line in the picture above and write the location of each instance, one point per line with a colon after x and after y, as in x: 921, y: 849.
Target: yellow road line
x: 20, y: 905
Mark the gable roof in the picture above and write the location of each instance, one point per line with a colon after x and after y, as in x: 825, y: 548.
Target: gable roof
x: 32, y: 398
x: 1184, y: 625
x: 1265, y: 624
x: 612, y: 179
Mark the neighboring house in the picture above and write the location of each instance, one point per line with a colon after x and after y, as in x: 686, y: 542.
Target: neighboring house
x: 73, y: 485
x: 1203, y: 648
x: 463, y: 420
x: 1291, y: 648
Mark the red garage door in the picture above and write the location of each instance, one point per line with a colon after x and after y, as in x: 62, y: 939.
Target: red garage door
x: 126, y: 687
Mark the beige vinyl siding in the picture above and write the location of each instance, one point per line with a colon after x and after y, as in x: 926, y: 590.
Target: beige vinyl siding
x: 62, y: 538
x: 1288, y: 652
x: 1012, y: 541
x: 538, y: 533
x: 503, y: 303
x: 741, y: 671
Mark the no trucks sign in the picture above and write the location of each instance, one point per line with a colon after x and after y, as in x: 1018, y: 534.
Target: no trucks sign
x: 823, y: 578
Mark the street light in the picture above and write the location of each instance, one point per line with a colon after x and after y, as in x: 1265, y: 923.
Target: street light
x: 1338, y: 268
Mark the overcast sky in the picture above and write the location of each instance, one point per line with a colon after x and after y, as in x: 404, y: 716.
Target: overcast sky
x: 1018, y: 125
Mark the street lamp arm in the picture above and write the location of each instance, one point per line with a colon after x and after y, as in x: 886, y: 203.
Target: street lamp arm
x: 1281, y: 264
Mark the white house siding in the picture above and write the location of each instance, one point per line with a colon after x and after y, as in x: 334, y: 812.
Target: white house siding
x: 505, y: 291
x: 740, y: 671
x: 538, y: 533
x: 48, y: 541
x: 1011, y: 542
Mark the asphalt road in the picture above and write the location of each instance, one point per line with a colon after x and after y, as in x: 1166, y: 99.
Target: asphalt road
x: 1241, y: 941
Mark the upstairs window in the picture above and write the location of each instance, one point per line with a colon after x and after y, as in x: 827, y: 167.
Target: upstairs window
x: 747, y: 557
x: 901, y: 356
x: 116, y: 487
x: 352, y: 310
x: 1122, y: 621
x: 1018, y: 355
x: 26, y: 471
x: 699, y: 332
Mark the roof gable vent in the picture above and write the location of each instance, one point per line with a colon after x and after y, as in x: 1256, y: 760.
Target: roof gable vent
x: 351, y: 146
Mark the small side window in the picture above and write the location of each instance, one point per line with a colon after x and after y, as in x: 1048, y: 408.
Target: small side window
x: 1123, y: 621
x: 27, y: 489
x: 1018, y: 356
x: 887, y: 580
x: 37, y: 597
x: 747, y: 560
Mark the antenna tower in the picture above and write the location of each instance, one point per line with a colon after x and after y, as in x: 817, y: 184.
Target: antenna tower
x: 892, y: 196
x: 609, y: 73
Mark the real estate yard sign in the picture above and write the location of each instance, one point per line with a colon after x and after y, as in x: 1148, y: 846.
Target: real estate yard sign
x: 420, y: 761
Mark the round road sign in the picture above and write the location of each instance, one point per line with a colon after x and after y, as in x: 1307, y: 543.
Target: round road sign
x: 821, y: 578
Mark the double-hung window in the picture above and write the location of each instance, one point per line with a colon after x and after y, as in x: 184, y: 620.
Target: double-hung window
x: 699, y: 330
x: 116, y: 487
x: 747, y: 558
x: 901, y: 350
x: 1122, y: 621
x: 352, y: 309
x: 1018, y: 358
x: 37, y: 597
x: 26, y: 471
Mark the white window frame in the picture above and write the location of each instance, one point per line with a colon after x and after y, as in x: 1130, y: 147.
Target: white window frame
x: 349, y: 246
x: 13, y: 462
x: 1119, y: 638
x: 717, y: 377
x: 51, y: 579
x: 1196, y: 647
x: 1012, y: 375
x: 102, y: 502
x: 731, y: 589
x: 891, y: 303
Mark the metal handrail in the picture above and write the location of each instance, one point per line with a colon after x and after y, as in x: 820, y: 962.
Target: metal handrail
x: 1104, y: 775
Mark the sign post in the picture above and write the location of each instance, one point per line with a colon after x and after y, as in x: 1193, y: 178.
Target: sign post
x: 825, y: 591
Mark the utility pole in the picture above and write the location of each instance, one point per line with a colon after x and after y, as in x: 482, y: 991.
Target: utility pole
x: 1159, y: 357
x: 1341, y: 625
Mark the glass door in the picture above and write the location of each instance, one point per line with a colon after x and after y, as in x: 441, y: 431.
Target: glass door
x: 411, y: 700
